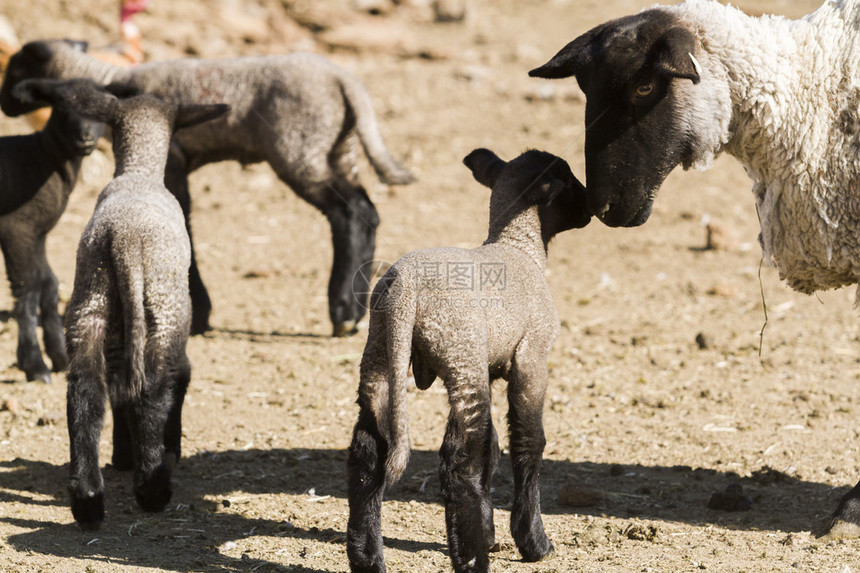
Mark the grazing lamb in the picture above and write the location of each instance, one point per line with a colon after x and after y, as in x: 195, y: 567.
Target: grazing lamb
x: 680, y: 84
x: 37, y: 173
x: 469, y: 317
x: 128, y: 317
x: 298, y: 112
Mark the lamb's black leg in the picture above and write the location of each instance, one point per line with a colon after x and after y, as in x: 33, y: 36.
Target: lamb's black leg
x: 122, y: 458
x: 173, y: 429
x: 85, y: 410
x: 29, y: 353
x: 20, y: 252
x: 176, y: 181
x: 526, y: 392
x: 353, y: 219
x: 366, y: 471
x: 147, y: 420
x: 845, y: 522
x: 52, y: 324
x: 466, y: 459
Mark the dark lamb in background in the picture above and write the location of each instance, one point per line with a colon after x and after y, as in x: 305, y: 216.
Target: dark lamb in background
x: 38, y: 171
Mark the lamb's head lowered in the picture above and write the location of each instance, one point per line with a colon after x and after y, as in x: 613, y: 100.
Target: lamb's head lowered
x: 651, y: 104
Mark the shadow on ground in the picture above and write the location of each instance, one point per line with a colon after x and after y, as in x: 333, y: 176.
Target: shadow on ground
x: 201, y: 517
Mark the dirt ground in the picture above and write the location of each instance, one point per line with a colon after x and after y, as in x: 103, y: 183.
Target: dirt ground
x: 663, y: 389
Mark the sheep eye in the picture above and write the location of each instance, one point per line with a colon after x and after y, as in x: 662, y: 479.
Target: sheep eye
x: 643, y: 90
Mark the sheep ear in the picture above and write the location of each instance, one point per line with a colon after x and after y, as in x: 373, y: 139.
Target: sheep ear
x: 673, y: 55
x: 38, y: 51
x: 189, y: 115
x: 570, y: 60
x: 485, y: 166
x: 35, y: 91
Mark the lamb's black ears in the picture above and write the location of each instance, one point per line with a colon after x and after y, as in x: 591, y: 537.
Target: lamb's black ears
x: 189, y: 115
x: 34, y: 91
x: 570, y: 60
x: 122, y: 91
x: 672, y: 55
x: 485, y: 166
x: 38, y: 51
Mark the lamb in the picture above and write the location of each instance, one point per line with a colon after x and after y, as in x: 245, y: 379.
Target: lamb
x: 37, y: 173
x: 299, y: 112
x: 680, y: 84
x: 128, y: 317
x: 469, y: 317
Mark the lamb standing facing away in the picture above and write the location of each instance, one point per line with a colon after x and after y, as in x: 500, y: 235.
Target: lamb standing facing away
x: 37, y: 173
x: 128, y: 317
x: 680, y: 84
x: 469, y: 317
x: 298, y: 112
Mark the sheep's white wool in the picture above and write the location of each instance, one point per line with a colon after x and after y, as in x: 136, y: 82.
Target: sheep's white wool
x: 795, y: 124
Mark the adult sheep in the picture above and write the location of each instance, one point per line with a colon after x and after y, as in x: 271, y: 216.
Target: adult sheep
x: 680, y: 84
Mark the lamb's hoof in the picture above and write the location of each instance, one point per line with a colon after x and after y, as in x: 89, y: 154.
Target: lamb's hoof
x: 155, y: 492
x: 345, y: 328
x: 39, y: 376
x: 541, y: 552
x: 89, y: 511
x: 845, y: 523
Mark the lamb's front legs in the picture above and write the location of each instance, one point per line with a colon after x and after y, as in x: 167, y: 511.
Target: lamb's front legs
x: 468, y: 456
x: 526, y: 392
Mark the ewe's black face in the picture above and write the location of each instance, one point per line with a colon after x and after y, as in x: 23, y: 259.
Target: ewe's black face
x: 632, y: 71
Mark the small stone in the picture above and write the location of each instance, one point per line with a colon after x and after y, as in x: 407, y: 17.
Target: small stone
x: 10, y: 405
x: 703, y: 341
x: 719, y: 238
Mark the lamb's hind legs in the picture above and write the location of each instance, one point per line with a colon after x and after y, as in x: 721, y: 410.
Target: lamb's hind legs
x: 366, y: 470
x: 85, y: 412
x: 147, y: 419
x: 353, y: 219
x: 468, y: 454
x: 526, y: 392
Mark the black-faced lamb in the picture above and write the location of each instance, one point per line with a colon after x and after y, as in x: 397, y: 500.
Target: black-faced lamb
x: 680, y: 84
x: 129, y: 313
x: 468, y: 317
x: 299, y: 112
x: 37, y: 173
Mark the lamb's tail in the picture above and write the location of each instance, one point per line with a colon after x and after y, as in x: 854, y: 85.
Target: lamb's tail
x: 390, y: 171
x: 393, y: 416
x: 130, y: 283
